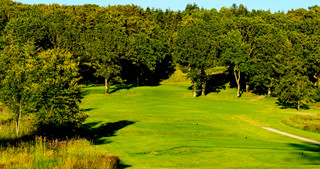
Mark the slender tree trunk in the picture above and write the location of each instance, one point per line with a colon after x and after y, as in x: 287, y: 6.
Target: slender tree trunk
x: 238, y: 91
x: 107, y: 85
x: 299, y: 103
x: 269, y: 91
x: 195, y: 89
x: 18, y: 121
x: 237, y: 76
x: 203, y: 93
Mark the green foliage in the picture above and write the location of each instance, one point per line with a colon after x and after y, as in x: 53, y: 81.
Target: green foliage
x: 42, y: 83
x: 293, y: 89
x: 56, y: 90
x: 32, y: 28
x: 107, y: 47
x: 197, y: 49
x: 126, y: 43
x: 234, y: 51
x: 16, y: 78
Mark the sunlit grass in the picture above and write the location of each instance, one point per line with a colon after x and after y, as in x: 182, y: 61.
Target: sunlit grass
x: 171, y: 129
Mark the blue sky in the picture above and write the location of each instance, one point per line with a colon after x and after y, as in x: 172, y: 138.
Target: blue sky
x: 273, y: 5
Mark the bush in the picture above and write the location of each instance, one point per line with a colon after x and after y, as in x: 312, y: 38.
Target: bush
x: 41, y: 83
x: 309, y: 123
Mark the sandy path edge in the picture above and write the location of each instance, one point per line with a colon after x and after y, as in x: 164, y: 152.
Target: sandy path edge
x: 291, y: 135
x: 258, y: 98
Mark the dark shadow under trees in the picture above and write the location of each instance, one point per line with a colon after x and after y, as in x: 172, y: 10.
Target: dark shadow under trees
x: 94, y: 131
x: 118, y: 87
x: 284, y: 105
x: 142, y: 75
x: 214, y: 83
x: 217, y: 82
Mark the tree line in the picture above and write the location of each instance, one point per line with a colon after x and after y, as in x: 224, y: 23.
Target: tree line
x: 46, y: 50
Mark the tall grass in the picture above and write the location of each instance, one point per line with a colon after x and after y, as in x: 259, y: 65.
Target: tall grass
x: 42, y: 153
x: 309, y: 123
x: 28, y: 151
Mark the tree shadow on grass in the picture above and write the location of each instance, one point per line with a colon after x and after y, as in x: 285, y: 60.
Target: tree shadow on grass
x: 89, y: 109
x: 98, y: 131
x: 118, y: 87
x: 310, y: 152
x: 113, y: 89
x: 291, y: 106
x: 97, y: 134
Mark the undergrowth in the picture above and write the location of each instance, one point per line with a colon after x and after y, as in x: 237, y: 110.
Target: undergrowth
x: 31, y: 151
x: 309, y: 123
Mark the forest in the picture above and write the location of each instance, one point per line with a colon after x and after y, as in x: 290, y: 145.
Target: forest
x: 50, y: 54
x: 48, y: 51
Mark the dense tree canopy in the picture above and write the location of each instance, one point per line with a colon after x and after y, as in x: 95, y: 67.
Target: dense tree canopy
x: 46, y: 50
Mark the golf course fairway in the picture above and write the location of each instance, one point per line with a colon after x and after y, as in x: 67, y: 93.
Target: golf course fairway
x: 165, y: 127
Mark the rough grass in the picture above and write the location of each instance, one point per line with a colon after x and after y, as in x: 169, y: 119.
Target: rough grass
x: 42, y: 153
x: 165, y: 127
x: 38, y: 152
x: 309, y: 123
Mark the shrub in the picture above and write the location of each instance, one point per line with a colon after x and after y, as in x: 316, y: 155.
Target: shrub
x: 309, y: 123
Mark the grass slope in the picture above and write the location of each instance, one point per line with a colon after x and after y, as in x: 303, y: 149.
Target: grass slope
x: 164, y: 127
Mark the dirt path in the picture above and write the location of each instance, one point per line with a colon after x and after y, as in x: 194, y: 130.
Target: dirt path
x: 291, y: 135
x: 258, y: 98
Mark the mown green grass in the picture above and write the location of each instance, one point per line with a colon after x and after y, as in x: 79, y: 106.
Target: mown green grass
x: 171, y: 129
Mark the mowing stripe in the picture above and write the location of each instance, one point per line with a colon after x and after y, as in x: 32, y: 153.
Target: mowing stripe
x: 291, y: 135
